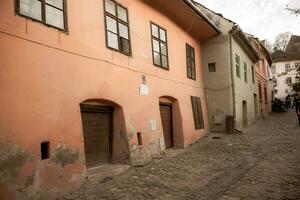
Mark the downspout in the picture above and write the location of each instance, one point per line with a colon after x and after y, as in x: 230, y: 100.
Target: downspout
x: 232, y: 77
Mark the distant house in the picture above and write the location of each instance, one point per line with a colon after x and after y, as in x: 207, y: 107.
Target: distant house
x: 262, y: 76
x: 228, y: 62
x: 284, y: 68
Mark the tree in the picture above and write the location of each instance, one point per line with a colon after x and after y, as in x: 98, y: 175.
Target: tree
x: 281, y: 41
x: 295, y: 11
x: 296, y: 86
x: 268, y: 45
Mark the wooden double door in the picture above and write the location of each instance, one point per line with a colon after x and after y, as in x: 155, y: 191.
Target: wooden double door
x: 167, y: 124
x: 97, y: 134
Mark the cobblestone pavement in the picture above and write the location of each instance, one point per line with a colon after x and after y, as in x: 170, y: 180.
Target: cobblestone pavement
x: 261, y: 163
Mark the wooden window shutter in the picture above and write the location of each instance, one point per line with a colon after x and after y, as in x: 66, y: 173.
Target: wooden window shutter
x: 197, y: 111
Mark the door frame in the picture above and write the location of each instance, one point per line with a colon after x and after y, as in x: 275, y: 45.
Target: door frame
x: 101, y: 109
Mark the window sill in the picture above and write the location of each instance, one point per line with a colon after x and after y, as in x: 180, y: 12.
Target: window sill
x: 194, y: 79
x: 167, y: 69
x: 121, y: 52
x: 65, y: 31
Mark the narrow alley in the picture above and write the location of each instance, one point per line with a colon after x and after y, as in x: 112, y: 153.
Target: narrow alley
x: 261, y: 163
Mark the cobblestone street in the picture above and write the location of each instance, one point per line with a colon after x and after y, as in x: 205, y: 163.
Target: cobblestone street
x: 261, y: 163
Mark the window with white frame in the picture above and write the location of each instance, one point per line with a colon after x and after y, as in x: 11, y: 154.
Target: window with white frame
x: 287, y: 67
x: 288, y: 80
x: 273, y: 69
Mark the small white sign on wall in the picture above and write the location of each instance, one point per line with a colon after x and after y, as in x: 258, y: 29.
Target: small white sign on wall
x: 143, y: 89
x: 153, y: 124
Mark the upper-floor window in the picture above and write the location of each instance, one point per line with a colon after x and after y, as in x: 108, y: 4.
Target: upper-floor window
x: 273, y: 69
x: 263, y: 66
x: 287, y: 67
x: 259, y: 91
x: 190, y: 62
x: 297, y: 66
x: 117, y: 27
x: 252, y: 72
x: 288, y: 80
x: 245, y: 73
x: 159, y: 46
x: 49, y: 12
x: 266, y: 95
x: 237, y: 66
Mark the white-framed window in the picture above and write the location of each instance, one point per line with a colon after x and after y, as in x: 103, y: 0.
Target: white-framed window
x: 287, y: 67
x: 273, y: 69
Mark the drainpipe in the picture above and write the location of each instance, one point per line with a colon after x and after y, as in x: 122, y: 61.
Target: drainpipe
x: 232, y: 77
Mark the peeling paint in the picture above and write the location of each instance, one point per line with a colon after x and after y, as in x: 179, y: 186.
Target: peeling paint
x: 29, y: 180
x: 11, y: 160
x: 138, y: 157
x: 64, y: 156
x: 155, y: 148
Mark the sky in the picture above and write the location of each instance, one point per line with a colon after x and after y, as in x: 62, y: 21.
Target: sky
x: 263, y: 18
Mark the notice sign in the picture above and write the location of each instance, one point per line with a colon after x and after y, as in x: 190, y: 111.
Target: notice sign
x: 143, y: 89
x: 153, y: 124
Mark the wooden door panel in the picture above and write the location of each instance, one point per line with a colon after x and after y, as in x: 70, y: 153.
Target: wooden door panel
x: 96, y: 134
x: 166, y: 119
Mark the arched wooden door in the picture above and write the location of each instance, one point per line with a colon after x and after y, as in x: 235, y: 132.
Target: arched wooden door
x: 97, y: 134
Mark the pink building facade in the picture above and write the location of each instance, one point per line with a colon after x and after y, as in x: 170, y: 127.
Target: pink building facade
x: 89, y: 83
x: 262, y: 76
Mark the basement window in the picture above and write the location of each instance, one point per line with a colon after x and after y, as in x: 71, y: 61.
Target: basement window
x: 212, y: 67
x: 139, y: 137
x: 45, y: 150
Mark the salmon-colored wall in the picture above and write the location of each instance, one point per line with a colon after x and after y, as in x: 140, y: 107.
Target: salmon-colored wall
x: 45, y: 74
x: 262, y: 78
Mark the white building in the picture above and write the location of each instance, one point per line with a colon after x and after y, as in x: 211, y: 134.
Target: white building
x: 284, y: 76
x: 284, y: 68
x: 229, y: 75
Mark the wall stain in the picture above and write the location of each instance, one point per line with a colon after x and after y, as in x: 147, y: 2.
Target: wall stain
x: 64, y: 156
x: 11, y: 160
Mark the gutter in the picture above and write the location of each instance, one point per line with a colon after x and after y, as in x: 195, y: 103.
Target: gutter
x: 232, y: 77
x: 199, y: 13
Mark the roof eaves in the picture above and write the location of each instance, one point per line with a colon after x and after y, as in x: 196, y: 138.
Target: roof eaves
x: 219, y: 14
x: 191, y: 4
x: 268, y: 56
x: 237, y: 30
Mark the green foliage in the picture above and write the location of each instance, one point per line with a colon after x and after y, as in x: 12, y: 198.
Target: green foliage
x: 296, y: 87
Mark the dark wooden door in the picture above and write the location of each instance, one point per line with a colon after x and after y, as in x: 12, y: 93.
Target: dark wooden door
x: 97, y: 137
x: 166, y: 119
